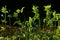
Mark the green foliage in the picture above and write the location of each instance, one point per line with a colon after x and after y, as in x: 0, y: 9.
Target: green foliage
x: 47, y: 7
x: 35, y: 9
x: 26, y: 32
x: 3, y: 28
x: 18, y: 10
x: 22, y: 9
x: 4, y: 21
x: 4, y: 10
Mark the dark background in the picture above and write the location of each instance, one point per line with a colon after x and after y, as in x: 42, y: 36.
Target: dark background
x: 16, y: 4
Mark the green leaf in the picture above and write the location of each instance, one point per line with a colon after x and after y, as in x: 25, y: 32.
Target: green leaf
x: 47, y: 7
x: 9, y: 16
x: 54, y: 13
x: 35, y: 9
x: 30, y: 20
x: 15, y: 14
x: 3, y: 28
x: 4, y: 21
x: 17, y: 22
x: 4, y: 10
x: 58, y: 28
x: 50, y: 22
x: 22, y: 9
x: 18, y: 10
x: 58, y: 15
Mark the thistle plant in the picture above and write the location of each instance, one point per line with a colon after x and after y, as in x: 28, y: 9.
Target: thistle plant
x: 36, y: 12
x: 58, y: 27
x: 48, y: 20
x: 55, y: 17
x: 16, y: 16
x: 4, y: 11
x: 30, y: 24
x: 36, y: 16
x: 58, y: 19
x: 9, y: 19
x: 26, y: 31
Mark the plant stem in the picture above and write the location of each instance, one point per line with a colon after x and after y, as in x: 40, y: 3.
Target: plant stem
x: 9, y: 21
x: 58, y: 22
x: 5, y: 19
x: 39, y: 24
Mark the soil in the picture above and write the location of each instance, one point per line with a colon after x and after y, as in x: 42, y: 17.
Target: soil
x: 9, y: 30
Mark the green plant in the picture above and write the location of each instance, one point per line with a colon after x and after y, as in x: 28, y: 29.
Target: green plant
x: 16, y: 16
x: 36, y: 16
x: 4, y: 11
x: 3, y: 28
x: 25, y: 32
x: 9, y: 19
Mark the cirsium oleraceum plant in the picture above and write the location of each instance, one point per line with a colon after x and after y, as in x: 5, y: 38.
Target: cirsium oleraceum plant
x: 26, y: 30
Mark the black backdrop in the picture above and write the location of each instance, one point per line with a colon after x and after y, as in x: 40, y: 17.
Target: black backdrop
x: 15, y: 4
